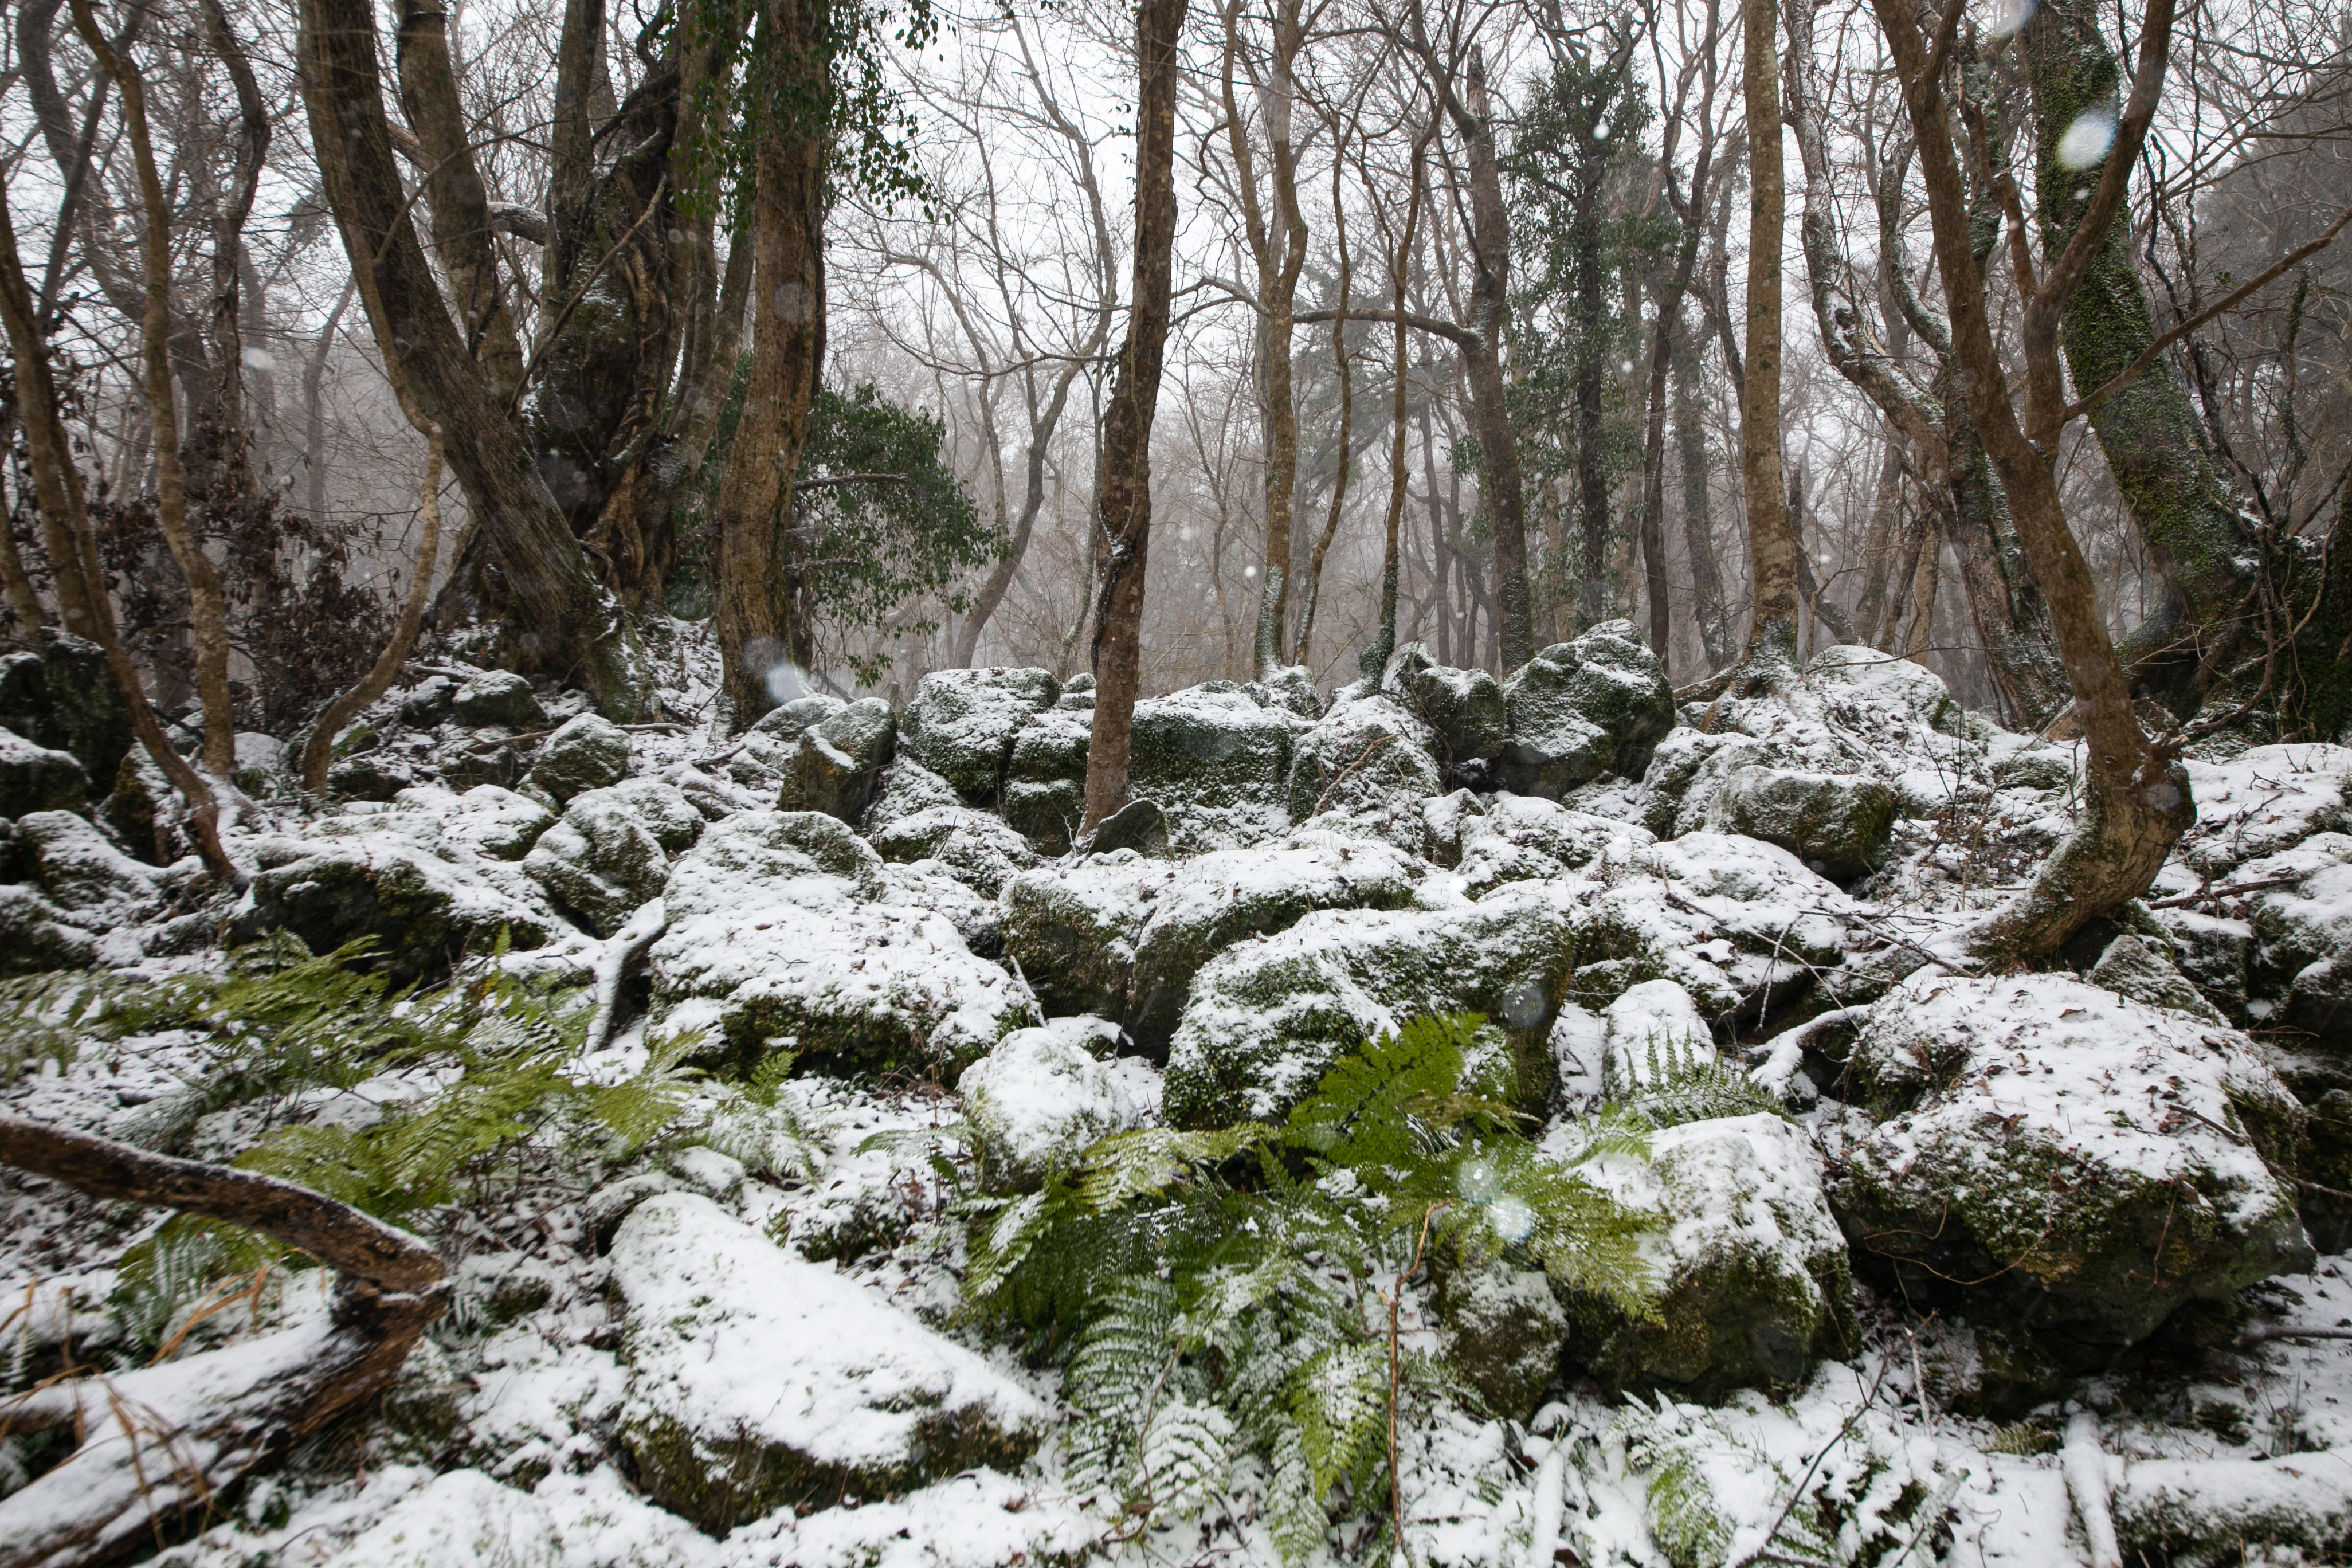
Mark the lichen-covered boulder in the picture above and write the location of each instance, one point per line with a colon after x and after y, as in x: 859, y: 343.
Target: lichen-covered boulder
x: 2302, y: 958
x: 1369, y: 756
x: 788, y: 721
x: 34, y: 778
x: 786, y: 932
x: 87, y: 715
x: 1216, y: 761
x: 587, y: 752
x: 1750, y: 1268
x: 369, y: 775
x: 486, y: 820
x: 1520, y: 837
x: 1230, y: 896
x: 1072, y: 927
x: 1045, y: 782
x: 2051, y: 1153
x: 1267, y: 1017
x: 838, y: 761
x: 612, y: 851
x: 758, y: 1381
x: 1505, y: 1328
x: 976, y: 847
x: 488, y: 755
x: 1840, y: 825
x: 963, y: 723
x: 907, y: 788
x: 1464, y: 709
x: 498, y: 697
x: 421, y: 909
x: 2130, y: 967
x: 1041, y: 1098
x: 81, y: 871
x: 1578, y: 710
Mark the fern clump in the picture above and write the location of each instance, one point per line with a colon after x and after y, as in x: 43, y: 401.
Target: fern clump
x: 1236, y: 1293
x: 1682, y: 1086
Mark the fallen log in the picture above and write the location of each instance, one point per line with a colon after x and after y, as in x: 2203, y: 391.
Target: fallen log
x: 156, y: 1444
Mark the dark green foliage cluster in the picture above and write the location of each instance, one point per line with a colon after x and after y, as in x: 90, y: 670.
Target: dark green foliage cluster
x: 1223, y: 1294
x: 861, y: 550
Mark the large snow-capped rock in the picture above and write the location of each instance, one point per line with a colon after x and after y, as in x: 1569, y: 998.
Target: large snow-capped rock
x: 586, y: 752
x: 976, y: 847
x: 2054, y: 1153
x: 1216, y: 761
x: 1750, y: 1268
x: 961, y: 723
x: 1045, y: 777
x: 611, y: 852
x: 1578, y: 710
x: 786, y: 932
x: 758, y: 1380
x: 1462, y: 708
x: 34, y: 778
x: 1123, y: 934
x: 1041, y: 1098
x: 421, y: 902
x: 837, y: 761
x: 1368, y: 757
x: 1518, y: 836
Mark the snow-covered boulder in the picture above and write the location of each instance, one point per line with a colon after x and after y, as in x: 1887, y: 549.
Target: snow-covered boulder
x: 586, y: 753
x: 35, y: 935
x: 489, y: 756
x: 1230, y: 896
x: 976, y: 847
x: 2262, y: 801
x: 1369, y: 756
x: 421, y: 909
x: 1122, y: 934
x: 611, y: 850
x: 63, y: 698
x: 80, y: 871
x: 34, y: 778
x: 904, y: 789
x: 787, y: 721
x: 1040, y: 1099
x: 1840, y: 825
x: 2301, y: 962
x: 1216, y: 762
x: 1520, y: 837
x: 1655, y: 1030
x: 2085, y: 1164
x: 786, y: 932
x: 1505, y: 1328
x: 2130, y: 967
x: 498, y: 698
x: 485, y: 820
x: 1462, y: 708
x: 1267, y: 1017
x: 961, y: 723
x: 1045, y: 782
x: 1750, y: 1268
x: 759, y: 1381
x: 837, y: 761
x: 1578, y: 710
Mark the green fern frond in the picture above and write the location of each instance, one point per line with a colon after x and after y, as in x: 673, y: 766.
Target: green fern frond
x: 1682, y: 1086
x: 1340, y: 1401
x: 1123, y: 1353
x: 1359, y: 1112
x: 1147, y: 1163
x: 649, y: 1099
x: 1183, y: 1457
x: 1291, y: 1507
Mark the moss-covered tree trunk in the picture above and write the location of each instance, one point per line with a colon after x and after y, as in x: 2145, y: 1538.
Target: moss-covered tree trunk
x: 1772, y: 543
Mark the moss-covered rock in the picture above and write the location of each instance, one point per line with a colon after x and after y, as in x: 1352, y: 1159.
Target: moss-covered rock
x: 586, y: 753
x: 371, y: 775
x: 905, y: 788
x: 2130, y: 967
x: 838, y: 762
x: 1578, y: 710
x: 1841, y: 825
x: 470, y: 758
x: 1267, y: 1017
x: 1520, y: 837
x: 1505, y: 1331
x: 1215, y: 760
x: 485, y: 820
x: 87, y: 715
x: 500, y: 697
x: 962, y: 724
x: 789, y: 721
x: 976, y: 847
x: 1041, y: 1098
x: 82, y: 872
x: 787, y: 933
x: 34, y: 778
x: 612, y: 851
x: 2057, y: 1156
x: 759, y: 1381
x: 1047, y: 813
x: 421, y: 909
x: 1045, y: 786
x: 1368, y: 756
x: 1464, y: 709
x: 1751, y: 1272
x: 1072, y: 927
x: 36, y: 936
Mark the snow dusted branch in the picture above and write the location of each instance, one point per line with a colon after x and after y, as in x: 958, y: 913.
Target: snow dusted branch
x: 627, y: 946
x: 2086, y: 1464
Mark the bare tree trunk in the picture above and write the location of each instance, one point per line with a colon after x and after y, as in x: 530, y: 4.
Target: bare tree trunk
x: 1878, y: 543
x: 1400, y: 273
x: 152, y: 1444
x: 1697, y: 501
x: 562, y: 622
x: 1124, y: 506
x: 314, y: 404
x: 752, y: 607
x: 1313, y: 595
x: 207, y: 610
x: 318, y: 751
x: 1772, y: 545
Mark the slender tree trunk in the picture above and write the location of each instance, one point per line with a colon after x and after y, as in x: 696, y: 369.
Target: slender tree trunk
x: 314, y: 404
x: 1384, y: 643
x: 561, y: 623
x: 753, y: 610
x: 1312, y: 598
x: 1878, y: 544
x: 1708, y: 607
x: 208, y: 608
x: 1124, y: 505
x: 1772, y: 545
x: 1663, y: 348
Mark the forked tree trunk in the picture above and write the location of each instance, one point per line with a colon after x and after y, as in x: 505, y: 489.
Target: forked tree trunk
x: 1123, y: 507
x: 154, y: 1445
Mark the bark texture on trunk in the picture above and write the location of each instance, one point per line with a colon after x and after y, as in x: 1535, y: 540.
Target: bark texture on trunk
x: 561, y: 623
x: 1772, y: 545
x: 753, y: 600
x: 1707, y: 608
x: 1123, y: 507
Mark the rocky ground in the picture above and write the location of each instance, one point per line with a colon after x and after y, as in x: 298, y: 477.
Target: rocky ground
x: 1971, y: 1269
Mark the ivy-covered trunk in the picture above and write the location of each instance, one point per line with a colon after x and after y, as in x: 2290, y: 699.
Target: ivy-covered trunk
x: 2169, y: 482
